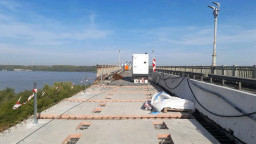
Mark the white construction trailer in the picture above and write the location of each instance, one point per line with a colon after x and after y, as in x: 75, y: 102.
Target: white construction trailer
x: 140, y: 68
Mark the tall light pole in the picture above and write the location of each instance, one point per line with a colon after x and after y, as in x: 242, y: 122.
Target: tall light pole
x: 153, y: 54
x: 119, y: 58
x: 122, y: 61
x: 215, y: 14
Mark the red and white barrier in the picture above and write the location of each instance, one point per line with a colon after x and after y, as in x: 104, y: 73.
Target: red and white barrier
x: 154, y: 65
x: 18, y: 104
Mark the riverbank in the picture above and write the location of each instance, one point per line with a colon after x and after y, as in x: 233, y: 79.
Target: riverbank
x: 47, y: 97
x: 64, y: 68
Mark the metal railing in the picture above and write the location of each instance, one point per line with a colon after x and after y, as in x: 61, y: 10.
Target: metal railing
x: 237, y: 71
x: 107, y: 69
x: 234, y: 80
x: 106, y: 72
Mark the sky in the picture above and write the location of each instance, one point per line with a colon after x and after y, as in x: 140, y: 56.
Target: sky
x: 90, y: 32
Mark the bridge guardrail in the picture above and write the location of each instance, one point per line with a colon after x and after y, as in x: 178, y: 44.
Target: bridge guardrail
x: 106, y: 71
x: 182, y: 73
x: 237, y: 71
x: 231, y: 79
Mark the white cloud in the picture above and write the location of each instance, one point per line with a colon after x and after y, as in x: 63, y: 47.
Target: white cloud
x: 31, y: 55
x: 243, y: 36
x: 40, y: 30
x: 192, y: 35
x: 44, y: 40
x: 37, y: 35
x: 92, y: 18
x: 193, y: 45
x: 9, y: 4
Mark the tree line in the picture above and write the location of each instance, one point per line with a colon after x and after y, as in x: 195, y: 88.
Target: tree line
x: 49, y: 68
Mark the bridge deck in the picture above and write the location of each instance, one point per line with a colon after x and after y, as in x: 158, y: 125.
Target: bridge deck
x: 113, y: 115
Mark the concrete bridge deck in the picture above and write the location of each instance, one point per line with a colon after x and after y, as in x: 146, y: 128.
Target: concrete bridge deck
x: 112, y: 115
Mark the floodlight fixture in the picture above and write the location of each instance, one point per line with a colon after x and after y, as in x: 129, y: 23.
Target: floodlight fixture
x: 218, y: 4
x: 212, y: 7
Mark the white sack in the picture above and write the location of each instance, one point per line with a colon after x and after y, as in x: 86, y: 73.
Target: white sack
x: 163, y: 100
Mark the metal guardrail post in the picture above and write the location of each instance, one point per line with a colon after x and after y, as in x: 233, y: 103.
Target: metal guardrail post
x: 234, y: 70
x: 101, y: 77
x: 223, y: 70
x: 254, y: 71
x: 223, y: 82
x: 239, y: 85
x: 213, y: 69
x: 35, y: 104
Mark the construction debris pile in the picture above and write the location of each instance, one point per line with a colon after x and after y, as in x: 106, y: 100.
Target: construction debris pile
x: 117, y: 76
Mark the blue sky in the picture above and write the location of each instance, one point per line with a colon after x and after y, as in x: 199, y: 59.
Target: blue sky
x: 81, y: 32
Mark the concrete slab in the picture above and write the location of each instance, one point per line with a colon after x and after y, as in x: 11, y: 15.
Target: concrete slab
x: 124, y: 109
x: 129, y: 95
x: 60, y: 107
x: 189, y: 131
x: 106, y: 131
x: 120, y: 131
x: 20, y: 131
x: 84, y: 108
x: 185, y: 131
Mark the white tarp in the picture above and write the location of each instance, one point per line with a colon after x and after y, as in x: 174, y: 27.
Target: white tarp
x: 163, y: 100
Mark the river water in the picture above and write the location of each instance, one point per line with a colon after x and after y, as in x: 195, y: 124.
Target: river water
x: 23, y: 80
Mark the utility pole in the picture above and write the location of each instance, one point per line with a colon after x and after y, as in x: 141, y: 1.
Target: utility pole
x: 122, y: 60
x: 101, y: 74
x: 153, y: 56
x: 119, y: 58
x: 215, y: 14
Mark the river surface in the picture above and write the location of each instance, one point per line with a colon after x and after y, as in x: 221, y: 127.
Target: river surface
x: 23, y: 80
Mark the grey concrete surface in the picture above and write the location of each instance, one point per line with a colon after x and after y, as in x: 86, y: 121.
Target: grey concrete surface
x: 136, y: 131
x: 182, y: 131
x: 120, y: 131
x: 124, y: 109
x: 189, y: 131
x: 129, y: 95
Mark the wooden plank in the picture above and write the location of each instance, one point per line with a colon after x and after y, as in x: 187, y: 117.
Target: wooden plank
x: 165, y: 110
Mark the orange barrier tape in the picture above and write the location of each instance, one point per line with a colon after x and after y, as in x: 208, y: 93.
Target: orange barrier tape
x: 111, y: 117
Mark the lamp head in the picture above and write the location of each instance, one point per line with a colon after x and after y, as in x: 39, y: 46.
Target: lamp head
x: 218, y: 4
x: 212, y: 7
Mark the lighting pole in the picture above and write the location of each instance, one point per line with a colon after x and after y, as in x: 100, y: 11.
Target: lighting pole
x: 215, y: 14
x: 119, y: 58
x: 122, y: 61
x: 153, y: 54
